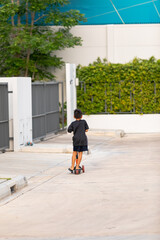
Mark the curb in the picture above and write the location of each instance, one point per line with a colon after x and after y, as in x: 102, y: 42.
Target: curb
x: 9, y: 187
x: 41, y: 148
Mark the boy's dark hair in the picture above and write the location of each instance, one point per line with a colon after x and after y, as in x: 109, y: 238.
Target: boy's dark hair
x: 77, y: 113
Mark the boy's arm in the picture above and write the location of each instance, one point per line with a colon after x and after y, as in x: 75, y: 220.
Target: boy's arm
x: 86, y: 127
x: 70, y: 128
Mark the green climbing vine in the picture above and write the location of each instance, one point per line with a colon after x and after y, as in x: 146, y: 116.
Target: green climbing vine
x: 133, y: 87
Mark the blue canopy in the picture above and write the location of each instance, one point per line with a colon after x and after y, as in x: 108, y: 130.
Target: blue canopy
x: 117, y: 11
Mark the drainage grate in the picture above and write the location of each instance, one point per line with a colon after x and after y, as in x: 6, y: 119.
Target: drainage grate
x: 13, y: 189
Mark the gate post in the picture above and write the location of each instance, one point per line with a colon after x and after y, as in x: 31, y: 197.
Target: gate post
x: 71, y: 91
x: 20, y: 111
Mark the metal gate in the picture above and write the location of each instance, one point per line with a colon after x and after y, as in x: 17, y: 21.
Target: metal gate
x: 45, y: 108
x: 4, y: 115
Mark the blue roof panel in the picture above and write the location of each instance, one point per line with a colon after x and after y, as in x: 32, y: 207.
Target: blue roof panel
x: 117, y: 11
x: 141, y: 14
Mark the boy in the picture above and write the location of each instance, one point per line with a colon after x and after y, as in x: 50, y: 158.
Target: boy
x: 80, y: 143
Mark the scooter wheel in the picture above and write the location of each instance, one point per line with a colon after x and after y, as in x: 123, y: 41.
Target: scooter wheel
x: 77, y: 171
x: 83, y: 169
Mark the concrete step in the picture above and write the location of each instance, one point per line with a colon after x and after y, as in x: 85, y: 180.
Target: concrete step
x: 9, y: 187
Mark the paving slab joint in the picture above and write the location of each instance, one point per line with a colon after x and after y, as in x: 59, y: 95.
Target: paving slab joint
x: 9, y: 187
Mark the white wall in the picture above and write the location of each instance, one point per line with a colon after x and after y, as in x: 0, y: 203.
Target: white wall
x: 20, y: 111
x: 130, y: 123
x: 125, y: 42
x: 94, y: 44
x: 117, y: 43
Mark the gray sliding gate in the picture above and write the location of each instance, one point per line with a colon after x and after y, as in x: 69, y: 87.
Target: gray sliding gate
x: 45, y: 108
x: 4, y: 121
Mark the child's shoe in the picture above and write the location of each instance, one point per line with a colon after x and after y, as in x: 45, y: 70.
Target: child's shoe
x: 70, y: 170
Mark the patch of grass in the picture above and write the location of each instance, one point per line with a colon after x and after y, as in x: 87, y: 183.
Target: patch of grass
x: 5, y: 179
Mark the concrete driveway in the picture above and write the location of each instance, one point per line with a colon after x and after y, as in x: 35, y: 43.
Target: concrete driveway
x: 118, y: 198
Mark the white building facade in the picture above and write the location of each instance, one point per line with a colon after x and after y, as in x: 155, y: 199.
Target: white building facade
x: 117, y: 43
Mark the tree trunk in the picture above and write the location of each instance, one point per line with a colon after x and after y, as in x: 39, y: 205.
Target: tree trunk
x: 27, y: 13
x: 33, y: 74
x: 19, y: 18
x: 12, y: 17
x: 29, y: 50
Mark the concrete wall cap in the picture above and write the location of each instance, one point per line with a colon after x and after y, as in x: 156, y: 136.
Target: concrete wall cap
x: 4, y: 191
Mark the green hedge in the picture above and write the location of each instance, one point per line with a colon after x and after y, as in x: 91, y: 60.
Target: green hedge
x: 133, y: 87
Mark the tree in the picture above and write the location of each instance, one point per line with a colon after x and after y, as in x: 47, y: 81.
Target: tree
x: 27, y: 41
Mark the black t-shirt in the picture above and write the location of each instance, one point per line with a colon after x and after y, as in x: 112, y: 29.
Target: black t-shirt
x: 78, y: 128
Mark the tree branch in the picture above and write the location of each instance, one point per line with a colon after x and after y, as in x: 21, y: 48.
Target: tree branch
x: 40, y: 18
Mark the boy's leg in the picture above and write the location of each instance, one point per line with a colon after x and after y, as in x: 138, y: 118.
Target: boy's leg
x: 73, y: 160
x: 79, y: 159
